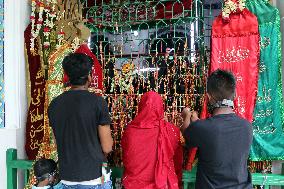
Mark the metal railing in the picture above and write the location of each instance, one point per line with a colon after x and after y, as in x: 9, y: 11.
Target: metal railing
x: 14, y: 164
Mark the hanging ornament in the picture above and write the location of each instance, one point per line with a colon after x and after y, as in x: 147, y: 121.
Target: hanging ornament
x: 231, y: 6
x: 36, y: 24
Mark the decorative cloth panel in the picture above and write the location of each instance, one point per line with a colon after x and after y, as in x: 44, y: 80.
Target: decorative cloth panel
x: 36, y: 93
x: 54, y: 87
x: 268, y: 135
x: 235, y: 47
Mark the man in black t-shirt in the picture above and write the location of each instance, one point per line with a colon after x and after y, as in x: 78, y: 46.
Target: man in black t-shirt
x: 223, y: 140
x: 81, y: 124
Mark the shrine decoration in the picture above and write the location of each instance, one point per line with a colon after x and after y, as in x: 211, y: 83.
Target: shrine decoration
x: 36, y: 94
x: 54, y: 87
x: 268, y: 134
x: 62, y: 18
x: 64, y: 12
x: 232, y: 6
x: 102, y: 15
x: 64, y: 38
x: 42, y: 19
x: 125, y: 87
x: 50, y: 28
x: 169, y: 65
x: 235, y: 47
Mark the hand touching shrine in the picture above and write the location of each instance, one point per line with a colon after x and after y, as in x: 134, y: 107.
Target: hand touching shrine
x: 194, y: 116
x: 188, y: 117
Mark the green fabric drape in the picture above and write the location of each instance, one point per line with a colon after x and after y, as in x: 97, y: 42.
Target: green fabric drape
x: 268, y: 135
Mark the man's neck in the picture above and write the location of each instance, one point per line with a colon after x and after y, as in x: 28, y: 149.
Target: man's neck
x: 227, y: 110
x: 79, y: 87
x: 43, y: 183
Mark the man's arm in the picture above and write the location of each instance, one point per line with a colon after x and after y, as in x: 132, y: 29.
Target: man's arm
x: 105, y: 138
x: 190, y: 132
x: 187, y: 119
x: 104, y: 128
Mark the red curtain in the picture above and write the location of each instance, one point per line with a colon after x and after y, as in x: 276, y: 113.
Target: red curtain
x: 235, y: 47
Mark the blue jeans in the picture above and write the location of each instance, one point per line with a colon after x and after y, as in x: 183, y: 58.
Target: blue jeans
x: 107, y: 185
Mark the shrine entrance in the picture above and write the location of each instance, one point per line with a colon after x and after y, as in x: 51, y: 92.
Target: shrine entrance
x: 151, y: 45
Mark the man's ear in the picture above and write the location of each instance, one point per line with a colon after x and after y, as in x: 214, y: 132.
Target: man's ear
x: 209, y: 97
x: 89, y: 78
x: 234, y: 96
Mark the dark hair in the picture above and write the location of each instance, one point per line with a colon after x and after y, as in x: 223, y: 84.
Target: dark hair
x: 221, y: 85
x: 44, y: 167
x: 77, y: 66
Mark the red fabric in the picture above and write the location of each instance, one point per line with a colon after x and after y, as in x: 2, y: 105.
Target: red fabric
x: 241, y: 33
x: 149, y: 144
x: 178, y: 161
x: 191, y: 157
x: 97, y: 73
x: 167, y: 10
x: 235, y: 47
x: 35, y: 117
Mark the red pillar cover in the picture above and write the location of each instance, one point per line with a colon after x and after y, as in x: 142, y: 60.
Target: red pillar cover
x: 235, y: 47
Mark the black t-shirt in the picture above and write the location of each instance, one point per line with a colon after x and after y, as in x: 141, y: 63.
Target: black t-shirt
x: 223, y: 143
x: 75, y: 117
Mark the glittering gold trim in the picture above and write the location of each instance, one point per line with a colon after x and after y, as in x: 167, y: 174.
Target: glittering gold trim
x: 28, y: 79
x: 42, y: 62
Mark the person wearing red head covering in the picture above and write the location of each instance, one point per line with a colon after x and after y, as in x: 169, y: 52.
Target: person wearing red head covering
x: 149, y: 144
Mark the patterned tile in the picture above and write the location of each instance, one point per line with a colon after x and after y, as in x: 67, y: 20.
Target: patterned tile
x: 2, y: 104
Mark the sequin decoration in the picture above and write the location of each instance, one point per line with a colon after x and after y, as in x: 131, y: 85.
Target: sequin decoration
x: 239, y: 77
x: 265, y: 41
x: 241, y: 102
x: 264, y: 113
x: 2, y: 104
x: 265, y: 96
x: 233, y: 55
x: 262, y: 67
x: 269, y: 129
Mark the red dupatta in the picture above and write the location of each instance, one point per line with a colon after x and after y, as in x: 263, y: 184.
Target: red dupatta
x: 149, y: 144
